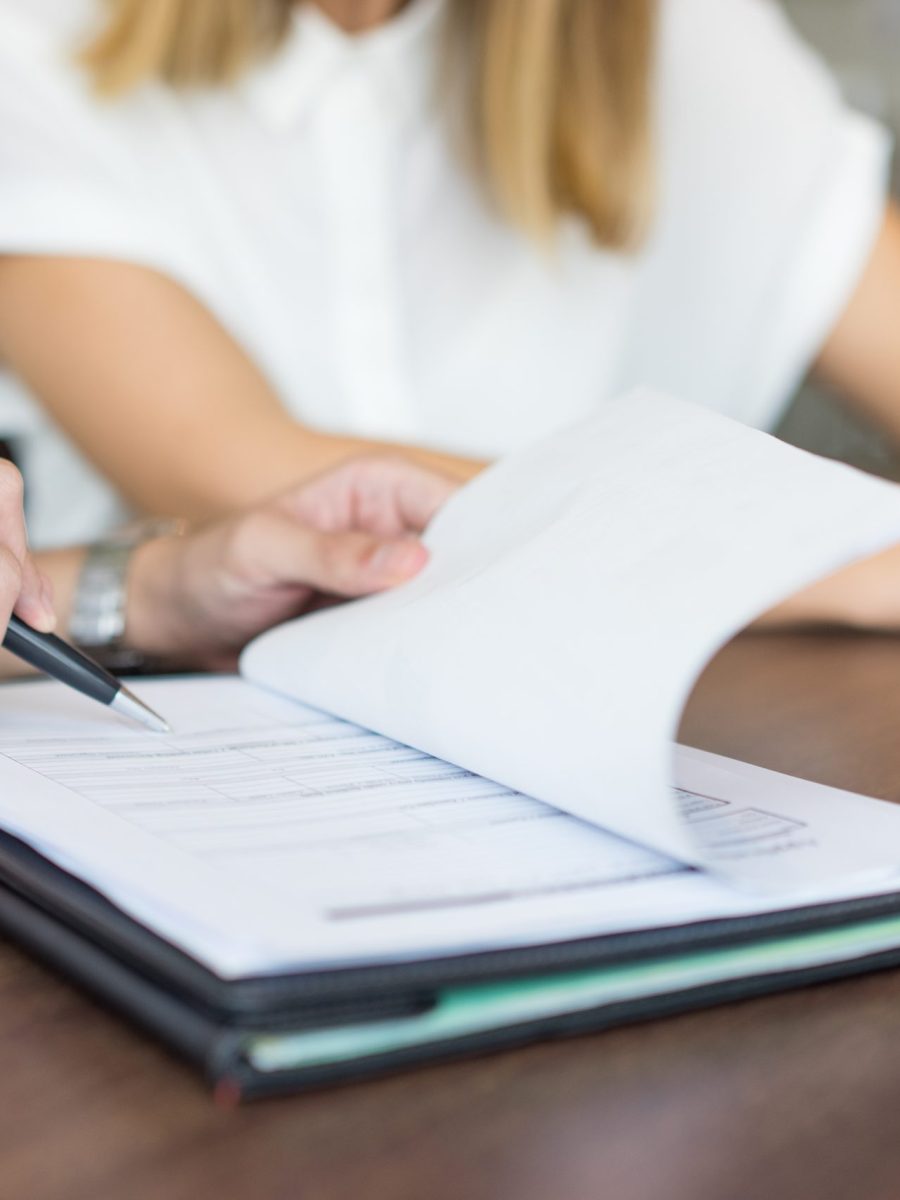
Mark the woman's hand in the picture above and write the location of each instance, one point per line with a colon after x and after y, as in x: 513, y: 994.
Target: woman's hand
x: 22, y: 587
x: 199, y: 599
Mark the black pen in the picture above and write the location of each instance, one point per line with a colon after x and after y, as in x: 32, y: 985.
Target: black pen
x: 57, y: 658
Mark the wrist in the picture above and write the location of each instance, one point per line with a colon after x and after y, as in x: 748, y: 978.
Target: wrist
x: 156, y: 622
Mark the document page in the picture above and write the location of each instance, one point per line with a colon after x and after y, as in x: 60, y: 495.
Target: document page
x: 781, y: 832
x: 575, y: 592
x: 264, y: 835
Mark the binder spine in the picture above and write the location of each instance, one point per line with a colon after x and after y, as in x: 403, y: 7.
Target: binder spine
x: 203, y: 1041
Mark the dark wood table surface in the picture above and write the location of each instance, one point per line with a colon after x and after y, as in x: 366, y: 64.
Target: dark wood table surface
x: 796, y: 1095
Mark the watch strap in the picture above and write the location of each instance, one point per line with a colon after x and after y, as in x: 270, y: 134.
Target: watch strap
x: 99, y: 609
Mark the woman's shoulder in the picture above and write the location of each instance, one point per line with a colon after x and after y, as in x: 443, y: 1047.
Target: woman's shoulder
x: 743, y: 100
x: 770, y: 191
x: 719, y: 58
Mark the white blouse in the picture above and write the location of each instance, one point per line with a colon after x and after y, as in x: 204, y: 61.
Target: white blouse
x: 318, y: 211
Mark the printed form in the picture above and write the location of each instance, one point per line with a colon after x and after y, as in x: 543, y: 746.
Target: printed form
x: 263, y: 833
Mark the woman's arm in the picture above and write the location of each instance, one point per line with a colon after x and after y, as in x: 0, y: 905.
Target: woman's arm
x: 861, y: 359
x: 864, y: 596
x: 155, y: 392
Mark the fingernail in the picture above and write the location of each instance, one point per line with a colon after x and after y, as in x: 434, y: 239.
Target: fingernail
x: 398, y: 560
x: 45, y: 620
x: 48, y: 613
x: 37, y: 615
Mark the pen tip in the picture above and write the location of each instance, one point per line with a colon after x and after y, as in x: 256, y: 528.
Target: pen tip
x: 128, y: 705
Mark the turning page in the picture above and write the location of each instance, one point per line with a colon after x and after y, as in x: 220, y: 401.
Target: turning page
x: 575, y: 592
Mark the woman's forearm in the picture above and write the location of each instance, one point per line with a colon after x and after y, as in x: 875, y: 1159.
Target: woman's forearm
x: 277, y: 453
x: 865, y: 596
x: 156, y: 394
x: 317, y: 452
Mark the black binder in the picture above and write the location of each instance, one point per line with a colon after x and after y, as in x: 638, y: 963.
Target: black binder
x: 209, y: 1021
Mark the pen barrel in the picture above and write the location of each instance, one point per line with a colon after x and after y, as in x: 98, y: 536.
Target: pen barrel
x: 50, y: 654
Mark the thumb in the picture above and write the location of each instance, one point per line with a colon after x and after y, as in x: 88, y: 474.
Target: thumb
x: 35, y: 602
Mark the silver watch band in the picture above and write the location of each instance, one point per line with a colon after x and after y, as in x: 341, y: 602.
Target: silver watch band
x: 97, y: 623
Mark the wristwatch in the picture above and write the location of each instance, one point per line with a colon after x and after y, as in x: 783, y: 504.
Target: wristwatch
x: 99, y: 609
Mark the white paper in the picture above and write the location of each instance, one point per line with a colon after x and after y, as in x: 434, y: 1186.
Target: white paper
x: 767, y: 830
x: 263, y: 835
x: 576, y: 591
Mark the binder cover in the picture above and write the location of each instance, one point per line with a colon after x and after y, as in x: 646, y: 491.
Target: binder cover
x: 212, y: 1022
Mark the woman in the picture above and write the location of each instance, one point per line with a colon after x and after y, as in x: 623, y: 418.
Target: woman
x: 242, y: 239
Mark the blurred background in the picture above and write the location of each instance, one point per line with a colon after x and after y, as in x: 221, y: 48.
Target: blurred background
x: 861, y: 40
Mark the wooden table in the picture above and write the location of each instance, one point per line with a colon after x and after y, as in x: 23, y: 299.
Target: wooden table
x: 791, y: 1096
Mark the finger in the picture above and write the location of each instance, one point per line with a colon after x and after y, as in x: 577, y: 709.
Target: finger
x: 12, y: 515
x: 10, y: 584
x: 23, y: 587
x: 35, y: 601
x: 421, y: 494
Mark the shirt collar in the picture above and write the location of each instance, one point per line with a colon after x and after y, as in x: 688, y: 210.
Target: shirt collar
x: 400, y: 55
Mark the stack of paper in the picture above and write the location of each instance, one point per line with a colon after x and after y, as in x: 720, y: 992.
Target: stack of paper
x: 462, y: 814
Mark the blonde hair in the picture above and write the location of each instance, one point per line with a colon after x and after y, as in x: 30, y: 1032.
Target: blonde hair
x: 557, y: 92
